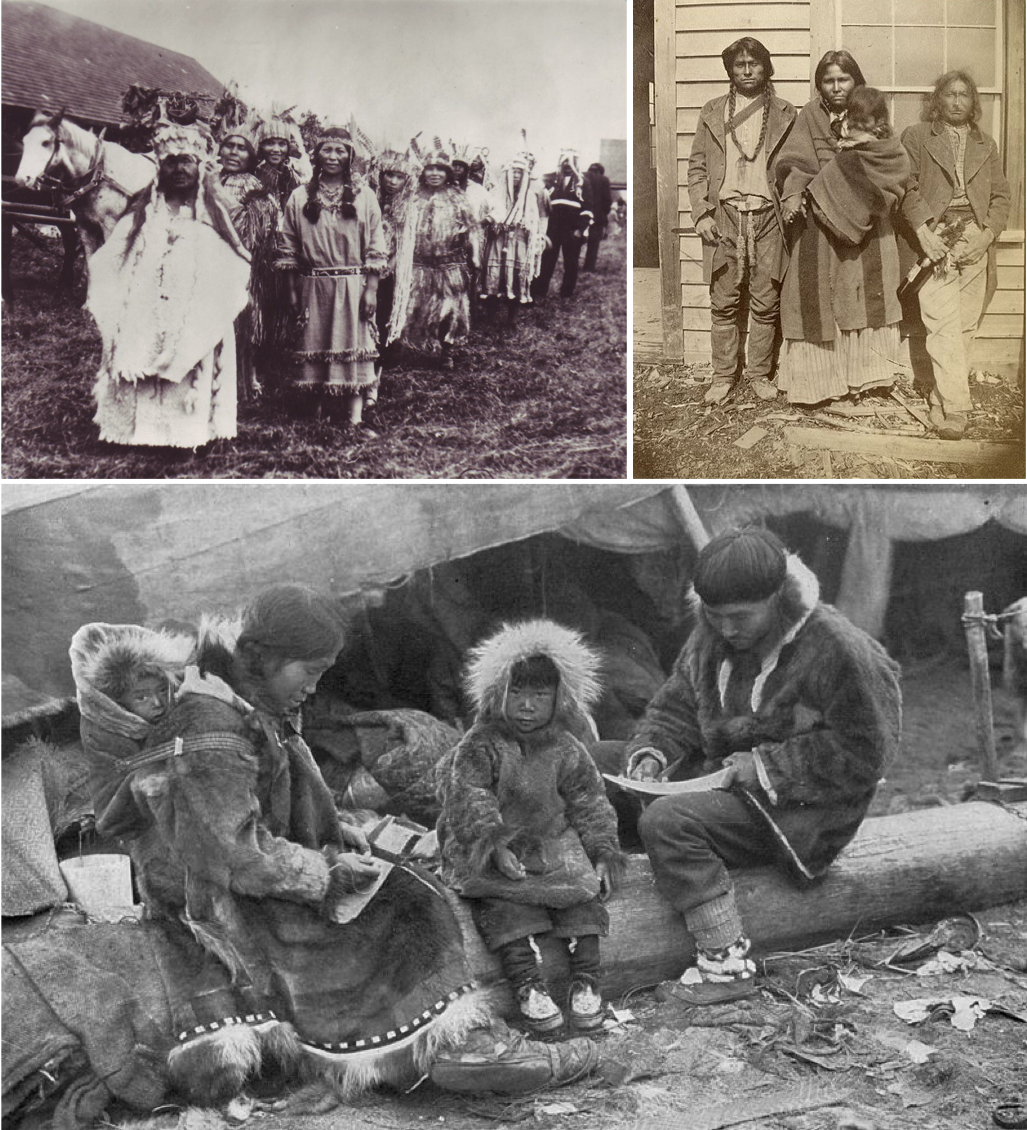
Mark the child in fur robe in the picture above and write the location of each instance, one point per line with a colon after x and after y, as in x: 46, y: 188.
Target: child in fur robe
x: 526, y: 830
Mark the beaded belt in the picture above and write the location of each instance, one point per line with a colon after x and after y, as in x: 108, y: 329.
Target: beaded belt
x: 331, y: 272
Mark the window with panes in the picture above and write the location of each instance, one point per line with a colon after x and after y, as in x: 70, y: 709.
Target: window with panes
x: 902, y: 46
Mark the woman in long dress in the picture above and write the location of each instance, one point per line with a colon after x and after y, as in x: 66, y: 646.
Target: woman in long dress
x: 255, y: 217
x: 332, y: 250
x: 439, y: 249
x: 839, y: 310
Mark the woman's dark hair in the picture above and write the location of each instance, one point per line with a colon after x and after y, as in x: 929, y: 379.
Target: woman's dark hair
x: 312, y: 208
x: 841, y: 59
x: 868, y: 108
x: 755, y: 49
x: 249, y: 149
x: 286, y: 623
x: 450, y: 175
x: 932, y: 101
x: 537, y: 672
x: 740, y: 566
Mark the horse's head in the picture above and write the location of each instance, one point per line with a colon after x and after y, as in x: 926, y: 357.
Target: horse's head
x: 42, y: 151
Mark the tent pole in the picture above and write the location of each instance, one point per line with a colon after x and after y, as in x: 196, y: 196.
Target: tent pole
x: 687, y: 514
x: 980, y: 680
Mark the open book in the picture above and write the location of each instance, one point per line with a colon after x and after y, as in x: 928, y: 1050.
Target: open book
x: 668, y: 788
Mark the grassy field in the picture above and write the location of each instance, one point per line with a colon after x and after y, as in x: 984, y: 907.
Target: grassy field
x: 547, y: 400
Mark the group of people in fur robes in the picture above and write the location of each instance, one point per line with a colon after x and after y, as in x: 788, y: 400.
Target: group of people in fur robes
x: 276, y: 948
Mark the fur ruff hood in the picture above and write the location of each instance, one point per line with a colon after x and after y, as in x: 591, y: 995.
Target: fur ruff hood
x: 98, y: 650
x: 487, y: 678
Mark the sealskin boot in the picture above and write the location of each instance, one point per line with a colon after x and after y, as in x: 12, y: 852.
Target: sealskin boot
x: 585, y: 1003
x: 537, y: 1008
x: 500, y: 1060
x: 719, y: 975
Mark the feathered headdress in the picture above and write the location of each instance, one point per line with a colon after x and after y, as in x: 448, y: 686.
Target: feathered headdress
x: 491, y: 663
x: 234, y: 118
x: 279, y: 124
x: 570, y: 157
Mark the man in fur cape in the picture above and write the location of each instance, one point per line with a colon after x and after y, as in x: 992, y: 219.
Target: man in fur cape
x: 801, y: 709
x: 737, y: 214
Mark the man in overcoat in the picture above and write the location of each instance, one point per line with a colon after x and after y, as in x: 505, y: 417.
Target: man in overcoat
x: 956, y: 183
x: 738, y: 215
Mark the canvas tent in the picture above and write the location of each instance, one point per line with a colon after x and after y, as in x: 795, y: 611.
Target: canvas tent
x: 150, y: 553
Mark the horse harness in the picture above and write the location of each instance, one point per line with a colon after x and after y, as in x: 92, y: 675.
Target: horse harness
x: 94, y: 176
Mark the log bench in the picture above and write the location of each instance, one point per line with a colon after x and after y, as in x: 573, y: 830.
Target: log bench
x: 913, y: 867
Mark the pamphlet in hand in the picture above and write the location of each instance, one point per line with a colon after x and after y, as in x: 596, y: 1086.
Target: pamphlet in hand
x: 670, y: 788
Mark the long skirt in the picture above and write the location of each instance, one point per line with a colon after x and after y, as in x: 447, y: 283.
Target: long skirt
x: 810, y: 372
x: 440, y: 306
x: 159, y: 413
x: 336, y: 350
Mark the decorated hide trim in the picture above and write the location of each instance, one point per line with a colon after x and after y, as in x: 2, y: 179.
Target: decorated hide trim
x: 404, y: 1055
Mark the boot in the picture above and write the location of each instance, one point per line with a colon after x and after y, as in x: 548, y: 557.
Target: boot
x: 722, y: 971
x: 535, y: 1006
x: 585, y: 999
x: 721, y: 975
x: 500, y: 1060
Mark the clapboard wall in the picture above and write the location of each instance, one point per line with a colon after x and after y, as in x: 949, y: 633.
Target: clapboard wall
x: 689, y: 36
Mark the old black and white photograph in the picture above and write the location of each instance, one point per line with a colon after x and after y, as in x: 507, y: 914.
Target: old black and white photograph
x: 330, y: 806
x: 828, y: 235
x: 315, y: 239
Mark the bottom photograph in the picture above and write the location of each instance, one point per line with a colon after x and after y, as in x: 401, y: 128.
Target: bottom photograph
x: 628, y: 805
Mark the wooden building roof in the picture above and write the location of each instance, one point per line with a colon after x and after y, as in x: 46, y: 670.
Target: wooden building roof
x: 52, y: 59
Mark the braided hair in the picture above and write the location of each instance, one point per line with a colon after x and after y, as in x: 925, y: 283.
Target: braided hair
x: 312, y: 209
x: 763, y: 125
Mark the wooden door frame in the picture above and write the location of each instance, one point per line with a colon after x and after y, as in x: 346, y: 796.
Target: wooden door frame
x: 664, y: 72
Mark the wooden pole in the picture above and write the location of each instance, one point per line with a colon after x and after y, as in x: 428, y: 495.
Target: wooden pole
x: 913, y: 867
x: 980, y: 680
x: 688, y: 516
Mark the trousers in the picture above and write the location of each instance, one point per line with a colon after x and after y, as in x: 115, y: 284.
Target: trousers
x: 951, y: 305
x: 731, y: 286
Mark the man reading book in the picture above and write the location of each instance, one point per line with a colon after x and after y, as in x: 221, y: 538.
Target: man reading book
x: 801, y: 708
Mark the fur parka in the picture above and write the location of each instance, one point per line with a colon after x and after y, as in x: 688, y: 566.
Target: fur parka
x: 525, y: 792
x: 825, y: 715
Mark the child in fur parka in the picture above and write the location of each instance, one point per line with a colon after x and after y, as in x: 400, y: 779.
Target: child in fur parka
x: 526, y: 831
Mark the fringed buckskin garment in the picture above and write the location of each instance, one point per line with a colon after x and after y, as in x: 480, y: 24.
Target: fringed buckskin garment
x: 261, y: 325
x: 439, y: 244
x: 539, y: 793
x: 336, y: 349
x: 164, y: 309
x: 839, y: 308
x: 231, y: 829
x: 513, y: 249
x: 824, y: 713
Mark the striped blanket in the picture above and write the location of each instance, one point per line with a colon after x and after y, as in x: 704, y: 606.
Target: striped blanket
x: 843, y: 271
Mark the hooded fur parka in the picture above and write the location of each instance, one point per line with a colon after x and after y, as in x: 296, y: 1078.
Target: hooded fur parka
x: 532, y: 793
x: 825, y: 715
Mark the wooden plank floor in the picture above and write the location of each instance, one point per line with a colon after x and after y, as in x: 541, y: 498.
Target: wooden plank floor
x: 646, y: 328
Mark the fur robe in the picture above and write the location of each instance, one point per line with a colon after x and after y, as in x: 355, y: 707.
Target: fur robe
x: 824, y: 717
x: 539, y: 794
x: 232, y: 829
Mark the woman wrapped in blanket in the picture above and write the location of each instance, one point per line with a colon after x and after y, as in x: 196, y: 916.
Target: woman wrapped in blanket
x: 839, y: 310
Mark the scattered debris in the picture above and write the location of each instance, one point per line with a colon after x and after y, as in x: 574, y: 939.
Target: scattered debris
x: 751, y: 438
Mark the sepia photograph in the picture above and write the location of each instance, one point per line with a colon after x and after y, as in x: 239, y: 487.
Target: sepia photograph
x: 330, y: 806
x: 828, y: 237
x: 315, y: 239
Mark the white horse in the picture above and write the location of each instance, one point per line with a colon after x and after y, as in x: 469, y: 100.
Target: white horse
x: 97, y: 179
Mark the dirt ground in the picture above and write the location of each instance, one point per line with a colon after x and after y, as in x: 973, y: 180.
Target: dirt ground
x: 544, y: 399
x: 677, y: 436
x: 821, y: 1047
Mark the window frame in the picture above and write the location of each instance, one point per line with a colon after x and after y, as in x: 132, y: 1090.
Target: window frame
x: 997, y: 94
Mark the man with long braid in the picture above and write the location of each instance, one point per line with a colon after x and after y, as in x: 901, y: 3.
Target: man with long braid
x: 738, y: 216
